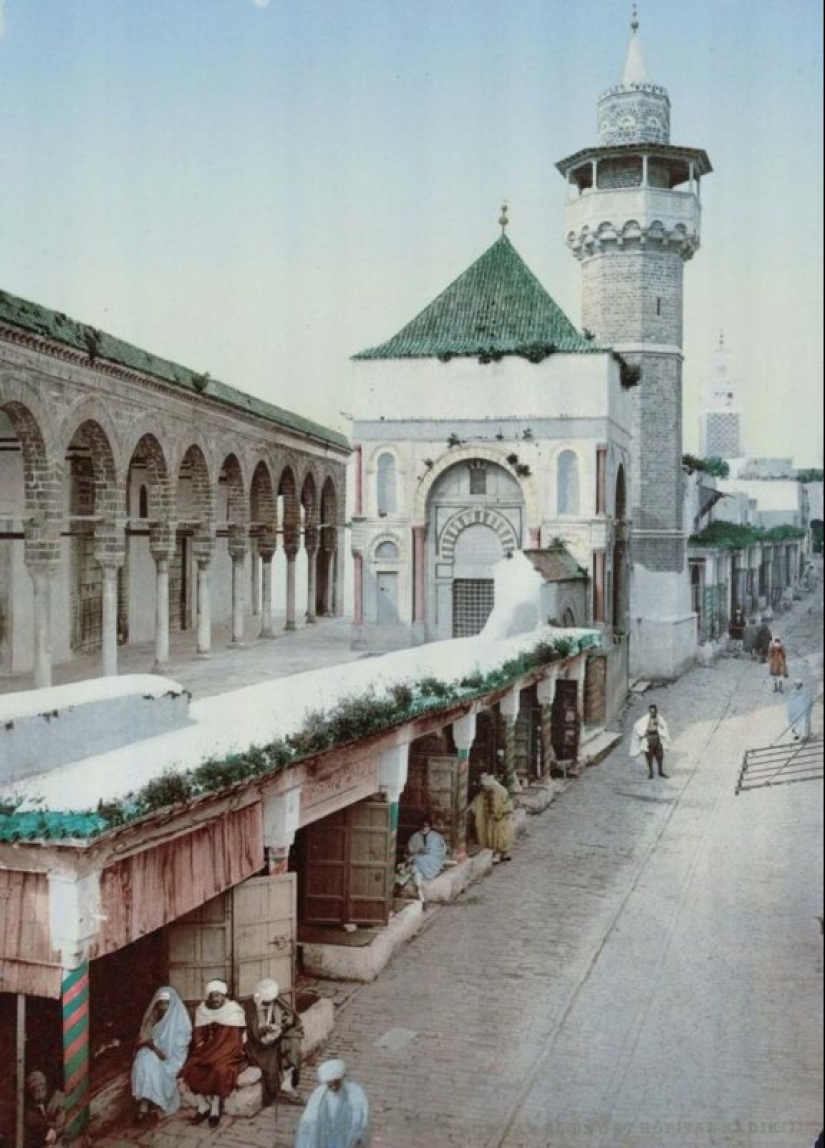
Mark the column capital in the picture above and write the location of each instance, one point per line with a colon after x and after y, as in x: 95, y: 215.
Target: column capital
x: 509, y: 705
x: 464, y: 731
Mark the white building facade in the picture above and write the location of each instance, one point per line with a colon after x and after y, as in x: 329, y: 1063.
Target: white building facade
x: 488, y: 425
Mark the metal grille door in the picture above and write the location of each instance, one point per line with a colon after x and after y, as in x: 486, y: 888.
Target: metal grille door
x: 473, y: 600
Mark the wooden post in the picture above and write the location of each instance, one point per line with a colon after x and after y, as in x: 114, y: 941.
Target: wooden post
x: 76, y: 1049
x: 20, y: 1102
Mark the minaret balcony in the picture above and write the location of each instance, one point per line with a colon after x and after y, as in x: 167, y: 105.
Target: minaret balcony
x: 626, y: 215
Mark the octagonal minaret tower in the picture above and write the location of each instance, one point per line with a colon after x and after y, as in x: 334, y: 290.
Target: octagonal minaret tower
x: 633, y: 217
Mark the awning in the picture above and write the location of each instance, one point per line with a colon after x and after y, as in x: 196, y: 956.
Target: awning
x: 781, y: 765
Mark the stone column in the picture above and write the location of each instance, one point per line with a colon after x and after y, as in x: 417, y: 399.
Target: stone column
x: 41, y: 577
x: 238, y: 552
x: 109, y: 636
x: 509, y: 707
x: 464, y: 734
x: 256, y: 579
x: 42, y: 558
x: 267, y: 554
x: 312, y: 584
x: 204, y: 606
x: 161, y: 608
x: 76, y: 1061
x: 339, y: 572
x: 291, y: 555
x: 358, y: 588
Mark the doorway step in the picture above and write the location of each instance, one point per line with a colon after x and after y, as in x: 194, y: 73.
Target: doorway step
x: 598, y: 745
x: 358, y: 955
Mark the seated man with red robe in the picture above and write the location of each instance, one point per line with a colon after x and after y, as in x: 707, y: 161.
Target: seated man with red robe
x: 216, y: 1056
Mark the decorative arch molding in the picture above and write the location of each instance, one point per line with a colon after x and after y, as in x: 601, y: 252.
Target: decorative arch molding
x: 89, y: 409
x: 466, y: 454
x: 387, y: 536
x: 147, y: 427
x: 623, y: 234
x: 476, y: 516
x: 21, y: 392
x: 184, y: 443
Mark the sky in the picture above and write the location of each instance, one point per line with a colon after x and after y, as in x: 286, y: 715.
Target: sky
x: 262, y: 188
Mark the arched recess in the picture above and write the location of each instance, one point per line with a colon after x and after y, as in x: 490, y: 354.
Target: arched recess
x: 309, y: 511
x: 30, y: 488
x: 386, y: 484
x: 288, y: 509
x: 567, y: 483
x: 195, y: 519
x: 263, y: 511
x: 526, y: 483
x: 150, y: 534
x: 328, y: 556
x: 95, y: 508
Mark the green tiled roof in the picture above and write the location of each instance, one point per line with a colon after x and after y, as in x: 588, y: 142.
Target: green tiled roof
x: 497, y: 307
x: 59, y: 327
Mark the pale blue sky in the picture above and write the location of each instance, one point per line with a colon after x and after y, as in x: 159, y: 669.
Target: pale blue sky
x: 262, y: 189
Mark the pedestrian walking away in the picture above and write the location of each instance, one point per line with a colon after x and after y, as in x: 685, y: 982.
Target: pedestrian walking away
x: 777, y: 663
x: 651, y: 737
x: 799, y: 707
x: 337, y: 1113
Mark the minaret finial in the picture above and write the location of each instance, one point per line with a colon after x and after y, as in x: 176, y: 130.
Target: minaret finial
x: 634, y: 23
x: 721, y: 338
x: 502, y: 219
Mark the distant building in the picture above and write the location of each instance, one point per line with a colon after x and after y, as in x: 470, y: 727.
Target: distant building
x: 721, y: 417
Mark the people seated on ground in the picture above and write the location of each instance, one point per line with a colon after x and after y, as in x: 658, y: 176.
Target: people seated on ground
x: 163, y: 1042
x: 274, y: 1034
x: 799, y: 705
x: 426, y: 854
x: 337, y: 1113
x: 44, y: 1116
x: 492, y: 810
x: 216, y: 1055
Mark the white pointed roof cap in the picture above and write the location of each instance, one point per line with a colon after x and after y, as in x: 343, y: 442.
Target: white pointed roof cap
x: 635, y: 68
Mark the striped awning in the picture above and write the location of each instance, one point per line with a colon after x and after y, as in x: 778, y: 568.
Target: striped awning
x: 781, y: 764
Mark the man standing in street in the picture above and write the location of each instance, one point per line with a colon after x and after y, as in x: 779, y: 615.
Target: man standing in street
x: 651, y: 737
x: 337, y: 1113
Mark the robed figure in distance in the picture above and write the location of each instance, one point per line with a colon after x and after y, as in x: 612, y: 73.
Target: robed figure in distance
x: 337, y: 1113
x: 493, y: 811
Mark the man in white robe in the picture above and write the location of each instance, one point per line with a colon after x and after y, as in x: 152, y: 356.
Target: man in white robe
x: 162, y: 1046
x: 337, y: 1113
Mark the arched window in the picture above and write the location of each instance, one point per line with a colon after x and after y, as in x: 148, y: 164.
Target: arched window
x: 567, y: 483
x: 386, y: 484
x: 143, y: 502
x: 568, y: 618
x: 620, y: 512
x: 386, y: 552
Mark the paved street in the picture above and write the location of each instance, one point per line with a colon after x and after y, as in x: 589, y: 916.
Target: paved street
x: 646, y: 972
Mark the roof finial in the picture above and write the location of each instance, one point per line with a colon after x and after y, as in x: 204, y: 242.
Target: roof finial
x: 502, y: 219
x: 721, y: 338
x: 634, y: 23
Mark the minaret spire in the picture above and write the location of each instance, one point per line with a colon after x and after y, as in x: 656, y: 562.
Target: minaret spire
x: 635, y: 68
x: 502, y: 219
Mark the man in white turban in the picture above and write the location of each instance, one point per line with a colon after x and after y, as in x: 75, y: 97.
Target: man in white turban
x: 337, y: 1113
x: 162, y: 1045
x: 274, y: 1036
x: 216, y: 1057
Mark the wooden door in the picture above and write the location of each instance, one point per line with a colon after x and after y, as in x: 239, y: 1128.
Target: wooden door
x: 200, y: 948
x: 431, y: 791
x: 263, y: 933
x: 371, y: 863
x: 348, y: 867
x: 565, y: 721
x: 387, y: 606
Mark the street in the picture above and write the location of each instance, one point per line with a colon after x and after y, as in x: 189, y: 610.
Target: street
x: 646, y: 972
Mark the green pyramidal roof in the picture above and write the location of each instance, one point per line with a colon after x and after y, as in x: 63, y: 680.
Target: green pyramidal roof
x: 497, y: 307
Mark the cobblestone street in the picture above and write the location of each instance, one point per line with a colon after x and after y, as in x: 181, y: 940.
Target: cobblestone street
x: 646, y: 972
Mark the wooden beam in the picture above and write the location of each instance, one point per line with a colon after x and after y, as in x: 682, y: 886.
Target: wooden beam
x: 20, y: 1100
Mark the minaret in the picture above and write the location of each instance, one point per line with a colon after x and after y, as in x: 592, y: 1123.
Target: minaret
x: 720, y: 418
x: 633, y: 218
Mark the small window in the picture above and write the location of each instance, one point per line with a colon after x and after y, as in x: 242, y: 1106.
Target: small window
x: 478, y: 480
x: 143, y: 503
x: 387, y: 552
x: 658, y: 304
